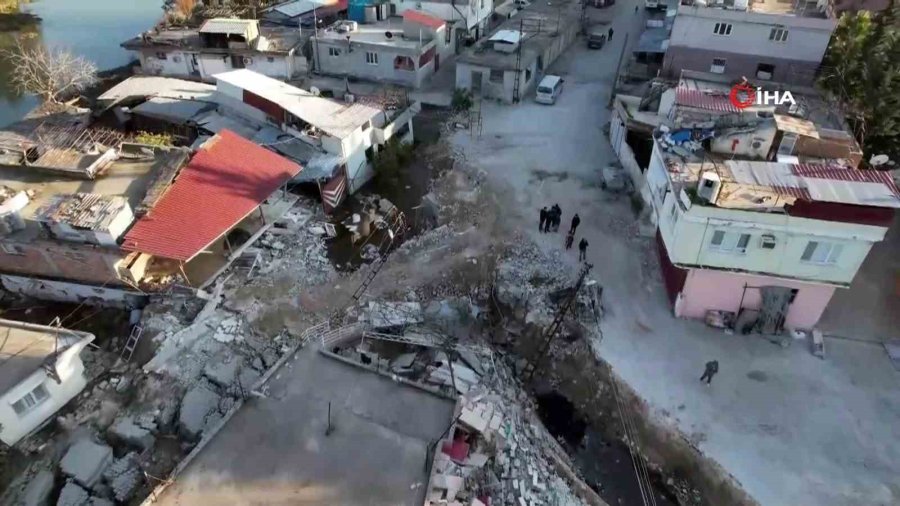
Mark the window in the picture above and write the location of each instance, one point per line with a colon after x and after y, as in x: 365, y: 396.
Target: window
x: 30, y: 400
x: 765, y: 71
x: 161, y: 56
x: 404, y: 63
x: 496, y: 76
x: 447, y: 33
x: 371, y: 57
x: 722, y: 29
x: 778, y: 35
x: 718, y: 66
x: 270, y: 59
x: 176, y: 59
x: 237, y: 61
x: 12, y: 249
x: 825, y: 253
x: 729, y: 242
x: 767, y: 241
x: 482, y: 4
x: 333, y: 51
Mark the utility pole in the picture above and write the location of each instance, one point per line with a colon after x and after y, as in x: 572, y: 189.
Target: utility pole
x: 552, y: 330
x: 612, y: 94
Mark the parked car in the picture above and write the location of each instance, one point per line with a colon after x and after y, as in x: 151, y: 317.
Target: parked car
x: 596, y: 39
x: 548, y: 90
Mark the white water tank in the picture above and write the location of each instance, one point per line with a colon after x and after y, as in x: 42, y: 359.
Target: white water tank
x: 709, y: 186
x: 11, y: 213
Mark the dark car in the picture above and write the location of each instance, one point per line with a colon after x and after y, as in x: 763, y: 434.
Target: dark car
x: 595, y: 40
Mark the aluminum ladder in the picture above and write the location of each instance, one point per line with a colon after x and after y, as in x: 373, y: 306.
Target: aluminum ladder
x: 132, y: 342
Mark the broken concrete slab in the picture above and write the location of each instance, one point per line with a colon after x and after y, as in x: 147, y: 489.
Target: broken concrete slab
x: 392, y: 314
x: 85, y: 462
x: 403, y: 362
x: 73, y: 495
x: 127, y: 431
x: 38, y: 490
x: 124, y: 477
x: 228, y: 330
x: 223, y: 371
x: 197, y: 403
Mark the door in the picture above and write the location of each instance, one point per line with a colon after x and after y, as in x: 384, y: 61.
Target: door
x: 476, y: 82
x: 437, y: 62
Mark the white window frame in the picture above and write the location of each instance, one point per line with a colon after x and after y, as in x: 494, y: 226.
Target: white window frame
x: 333, y: 51
x: 372, y: 57
x: 735, y: 243
x: 821, y: 253
x: 722, y: 29
x: 778, y: 34
x: 718, y: 69
x: 31, y: 400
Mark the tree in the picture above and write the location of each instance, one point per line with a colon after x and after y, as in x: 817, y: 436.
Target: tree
x: 861, y: 71
x: 50, y: 73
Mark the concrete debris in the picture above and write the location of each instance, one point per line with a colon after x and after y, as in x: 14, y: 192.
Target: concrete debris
x: 403, y: 362
x: 85, y: 462
x: 196, y: 405
x: 128, y: 432
x: 393, y: 314
x: 38, y: 490
x: 73, y: 495
x: 228, y: 330
x: 124, y: 477
x: 464, y: 377
x: 223, y: 372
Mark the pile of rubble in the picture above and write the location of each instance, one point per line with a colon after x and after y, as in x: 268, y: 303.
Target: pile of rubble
x: 498, y: 452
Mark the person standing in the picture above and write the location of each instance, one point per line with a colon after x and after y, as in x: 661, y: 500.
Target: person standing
x: 712, y: 367
x: 582, y: 250
x: 570, y: 238
x: 544, y: 216
x: 609, y: 37
x: 576, y: 220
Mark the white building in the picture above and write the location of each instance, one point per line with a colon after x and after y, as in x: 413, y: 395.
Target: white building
x: 402, y: 51
x: 218, y: 46
x: 512, y: 60
x: 733, y: 233
x: 352, y: 131
x: 468, y: 19
x: 41, y: 372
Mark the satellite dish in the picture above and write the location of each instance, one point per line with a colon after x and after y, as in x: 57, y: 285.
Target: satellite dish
x: 315, y: 91
x: 388, y: 35
x: 879, y: 160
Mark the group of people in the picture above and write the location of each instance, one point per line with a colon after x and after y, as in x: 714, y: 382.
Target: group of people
x: 550, y: 219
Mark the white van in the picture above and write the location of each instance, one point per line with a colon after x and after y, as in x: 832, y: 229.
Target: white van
x: 548, y: 89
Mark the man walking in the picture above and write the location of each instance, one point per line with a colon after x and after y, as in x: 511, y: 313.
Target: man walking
x: 582, y: 250
x: 543, y: 219
x: 570, y: 238
x: 576, y: 220
x: 555, y: 214
x: 712, y: 367
x: 609, y: 37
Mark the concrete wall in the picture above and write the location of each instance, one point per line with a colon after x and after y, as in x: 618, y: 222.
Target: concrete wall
x: 475, y: 12
x: 693, y: 43
x: 61, y: 291
x: 178, y: 64
x: 71, y: 372
x: 500, y: 90
x: 707, y: 289
x: 687, y: 234
x: 61, y: 260
x: 354, y: 63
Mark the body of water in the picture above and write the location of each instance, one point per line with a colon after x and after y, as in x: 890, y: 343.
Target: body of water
x: 90, y: 28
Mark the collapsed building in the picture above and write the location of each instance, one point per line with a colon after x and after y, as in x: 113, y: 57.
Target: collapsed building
x: 75, y: 200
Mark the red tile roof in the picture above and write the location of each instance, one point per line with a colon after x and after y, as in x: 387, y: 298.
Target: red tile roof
x: 422, y: 18
x: 704, y: 100
x: 222, y: 184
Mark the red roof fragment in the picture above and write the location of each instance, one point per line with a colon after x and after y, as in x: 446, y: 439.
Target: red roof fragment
x: 704, y: 100
x: 422, y: 18
x: 222, y: 184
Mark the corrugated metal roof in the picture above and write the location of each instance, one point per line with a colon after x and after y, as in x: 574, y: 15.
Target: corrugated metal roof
x: 422, y: 18
x: 508, y: 36
x: 152, y: 86
x: 172, y: 109
x: 89, y: 211
x: 225, y: 181
x: 703, y: 100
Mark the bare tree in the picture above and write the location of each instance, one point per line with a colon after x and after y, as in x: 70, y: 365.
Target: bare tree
x: 50, y: 73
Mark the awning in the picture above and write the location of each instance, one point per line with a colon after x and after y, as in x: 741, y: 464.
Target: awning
x: 227, y: 179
